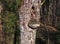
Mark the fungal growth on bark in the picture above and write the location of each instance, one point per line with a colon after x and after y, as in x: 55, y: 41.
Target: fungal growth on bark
x: 34, y: 24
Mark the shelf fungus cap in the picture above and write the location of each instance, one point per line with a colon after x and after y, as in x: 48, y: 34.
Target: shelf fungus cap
x: 34, y: 24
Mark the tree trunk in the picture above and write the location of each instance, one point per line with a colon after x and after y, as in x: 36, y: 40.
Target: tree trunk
x: 51, y: 20
x: 26, y: 12
x: 1, y: 31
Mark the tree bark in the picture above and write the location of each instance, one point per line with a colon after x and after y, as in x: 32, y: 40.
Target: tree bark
x: 25, y: 13
x: 51, y: 20
x: 1, y: 31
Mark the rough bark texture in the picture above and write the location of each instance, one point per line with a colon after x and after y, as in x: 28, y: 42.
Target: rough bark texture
x: 51, y: 19
x: 48, y: 17
x: 25, y: 13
